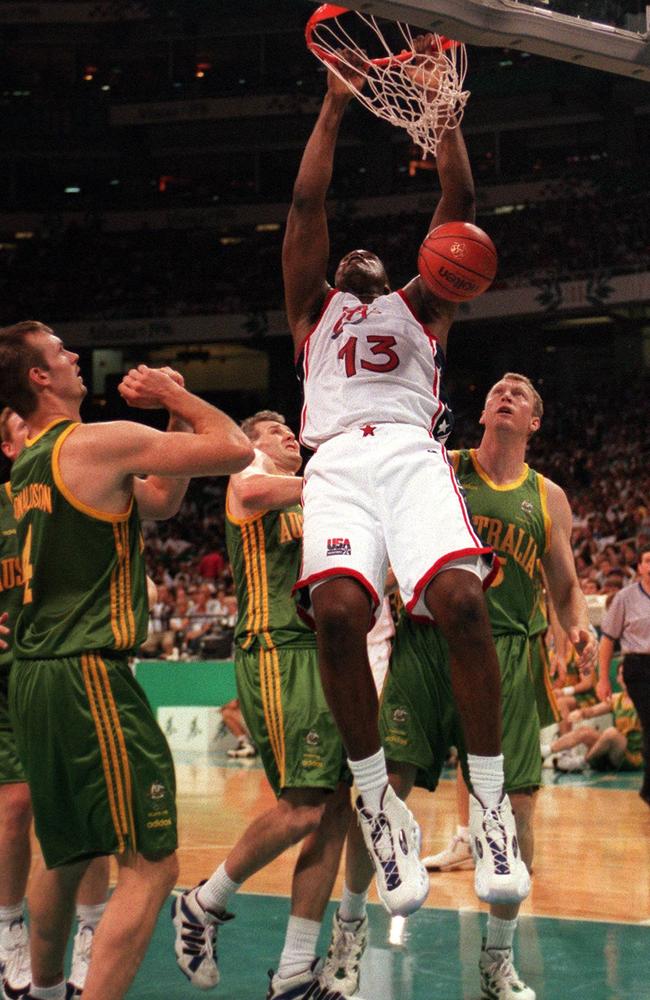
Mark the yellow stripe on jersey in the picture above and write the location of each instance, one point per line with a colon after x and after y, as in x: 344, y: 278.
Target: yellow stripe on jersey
x: 541, y: 485
x: 264, y: 609
x: 111, y: 790
x: 250, y: 583
x: 504, y: 487
x: 123, y: 755
x: 127, y: 577
x: 257, y: 579
x: 117, y: 607
x: 65, y: 491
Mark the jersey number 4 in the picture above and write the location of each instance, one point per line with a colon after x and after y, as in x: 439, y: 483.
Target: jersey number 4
x: 379, y: 346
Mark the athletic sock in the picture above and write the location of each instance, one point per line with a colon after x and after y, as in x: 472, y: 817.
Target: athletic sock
x: 352, y: 906
x: 463, y: 832
x: 214, y: 894
x: 370, y: 777
x: 89, y: 915
x: 48, y: 992
x: 299, y: 947
x: 486, y: 776
x: 500, y: 933
x: 9, y: 914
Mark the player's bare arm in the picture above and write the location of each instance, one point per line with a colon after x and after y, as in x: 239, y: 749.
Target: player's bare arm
x: 119, y: 450
x: 559, y: 567
x: 305, y: 250
x: 261, y: 487
x: 605, y: 656
x: 457, y: 204
x: 161, y: 496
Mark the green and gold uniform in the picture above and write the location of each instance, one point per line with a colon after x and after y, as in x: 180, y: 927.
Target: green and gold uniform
x: 418, y: 719
x: 99, y: 768
x: 627, y: 722
x: 276, y: 662
x: 11, y: 599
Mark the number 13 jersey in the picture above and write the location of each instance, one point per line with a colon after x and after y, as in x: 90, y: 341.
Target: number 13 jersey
x: 370, y: 363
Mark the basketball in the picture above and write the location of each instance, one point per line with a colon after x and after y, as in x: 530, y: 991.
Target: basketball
x: 457, y: 261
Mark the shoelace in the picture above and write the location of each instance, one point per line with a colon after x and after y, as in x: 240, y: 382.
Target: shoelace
x: 497, y: 839
x: 502, y: 966
x: 342, y: 946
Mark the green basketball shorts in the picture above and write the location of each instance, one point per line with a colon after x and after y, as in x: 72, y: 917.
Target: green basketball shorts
x: 546, y: 704
x: 99, y: 769
x: 284, y: 707
x: 418, y: 718
x: 11, y: 770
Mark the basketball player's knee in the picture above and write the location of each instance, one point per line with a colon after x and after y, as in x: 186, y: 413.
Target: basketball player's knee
x: 464, y: 611
x: 301, y: 818
x: 335, y: 621
x: 15, y: 810
x: 166, y: 873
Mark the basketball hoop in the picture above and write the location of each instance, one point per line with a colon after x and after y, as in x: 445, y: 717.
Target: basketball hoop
x: 421, y: 93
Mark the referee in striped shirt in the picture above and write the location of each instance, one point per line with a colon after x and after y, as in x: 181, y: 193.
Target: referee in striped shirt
x: 628, y: 621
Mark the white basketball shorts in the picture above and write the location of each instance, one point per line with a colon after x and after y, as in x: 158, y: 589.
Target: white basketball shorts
x: 380, y: 495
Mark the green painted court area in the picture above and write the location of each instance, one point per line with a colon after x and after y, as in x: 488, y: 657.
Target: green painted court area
x: 437, y: 959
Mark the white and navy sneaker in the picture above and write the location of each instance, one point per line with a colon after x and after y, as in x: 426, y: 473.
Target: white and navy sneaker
x: 499, y: 979
x: 456, y: 857
x: 341, y: 968
x: 393, y: 840
x: 501, y: 875
x: 14, y: 960
x: 305, y: 986
x: 196, y: 935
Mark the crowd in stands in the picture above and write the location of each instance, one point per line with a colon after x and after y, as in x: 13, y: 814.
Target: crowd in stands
x: 597, y: 450
x: 175, y: 272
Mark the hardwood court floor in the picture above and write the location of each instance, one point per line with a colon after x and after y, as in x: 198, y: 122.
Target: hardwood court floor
x: 585, y: 934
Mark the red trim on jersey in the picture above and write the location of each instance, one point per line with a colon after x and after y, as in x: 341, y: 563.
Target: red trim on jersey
x: 305, y: 366
x: 326, y: 574
x: 407, y: 302
x: 425, y: 580
x: 328, y: 298
x: 454, y: 483
x: 303, y: 351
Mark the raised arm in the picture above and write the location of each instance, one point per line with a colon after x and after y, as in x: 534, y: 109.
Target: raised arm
x: 457, y: 204
x: 120, y: 450
x: 559, y: 567
x: 305, y: 251
x: 160, y: 497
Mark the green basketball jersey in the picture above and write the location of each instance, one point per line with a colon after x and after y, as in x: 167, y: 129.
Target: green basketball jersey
x: 627, y: 721
x: 11, y: 578
x: 265, y: 553
x: 513, y: 519
x: 83, y: 569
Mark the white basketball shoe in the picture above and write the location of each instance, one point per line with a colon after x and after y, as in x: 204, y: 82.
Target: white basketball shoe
x: 393, y: 839
x: 501, y: 875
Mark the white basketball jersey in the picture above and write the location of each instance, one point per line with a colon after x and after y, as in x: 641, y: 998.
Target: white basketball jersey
x: 370, y: 363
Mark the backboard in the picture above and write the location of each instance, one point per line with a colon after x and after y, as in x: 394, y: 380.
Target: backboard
x: 610, y: 35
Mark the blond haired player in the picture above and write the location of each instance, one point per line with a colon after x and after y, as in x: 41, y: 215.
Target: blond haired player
x: 527, y: 520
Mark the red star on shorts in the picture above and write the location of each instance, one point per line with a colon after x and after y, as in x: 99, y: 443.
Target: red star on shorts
x: 368, y: 430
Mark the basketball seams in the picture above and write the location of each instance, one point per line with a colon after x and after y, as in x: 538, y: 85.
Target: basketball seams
x: 456, y: 263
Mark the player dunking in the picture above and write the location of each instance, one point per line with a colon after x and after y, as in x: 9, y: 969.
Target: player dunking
x: 283, y: 704
x: 379, y: 489
x: 99, y: 769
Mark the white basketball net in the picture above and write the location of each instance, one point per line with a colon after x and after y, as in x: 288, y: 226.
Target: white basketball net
x: 422, y: 94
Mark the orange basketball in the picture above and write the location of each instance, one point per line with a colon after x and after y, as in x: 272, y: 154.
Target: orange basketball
x: 457, y: 261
